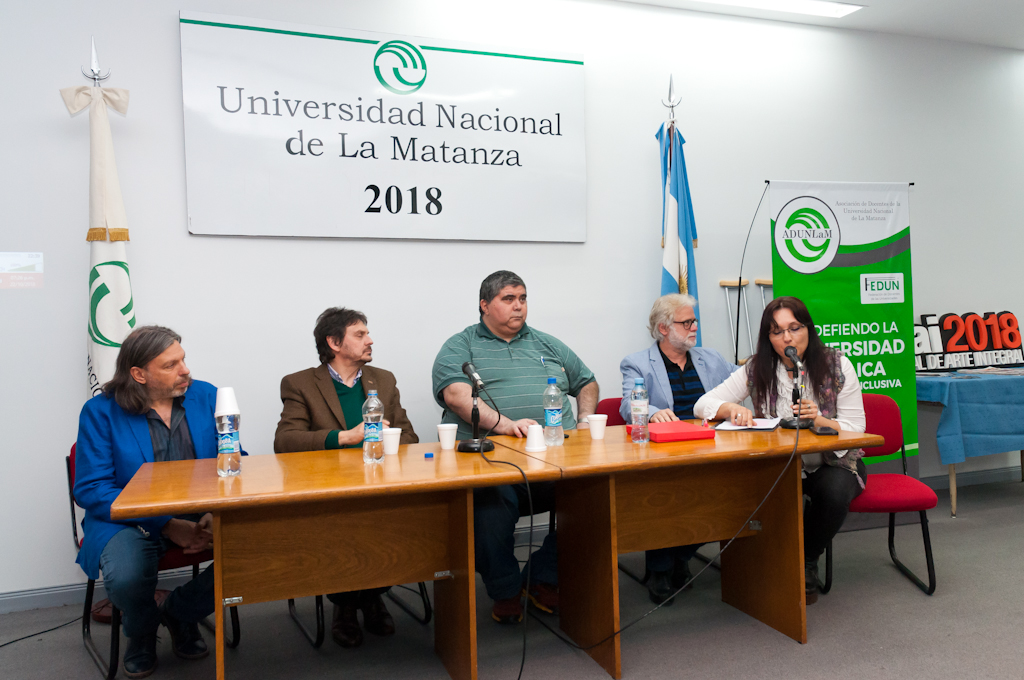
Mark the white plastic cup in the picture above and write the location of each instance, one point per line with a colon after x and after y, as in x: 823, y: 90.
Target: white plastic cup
x: 597, y: 422
x: 227, y: 404
x: 446, y: 435
x: 392, y: 435
x: 535, y: 439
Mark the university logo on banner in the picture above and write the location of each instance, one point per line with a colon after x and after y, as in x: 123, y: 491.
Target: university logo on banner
x: 809, y: 237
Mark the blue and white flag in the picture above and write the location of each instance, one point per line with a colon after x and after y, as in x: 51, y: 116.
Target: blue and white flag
x: 678, y: 230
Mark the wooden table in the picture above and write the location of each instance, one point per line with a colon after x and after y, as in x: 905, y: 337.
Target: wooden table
x: 301, y: 524
x: 618, y: 497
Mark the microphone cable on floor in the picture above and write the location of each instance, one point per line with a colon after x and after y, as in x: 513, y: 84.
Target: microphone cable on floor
x: 50, y: 630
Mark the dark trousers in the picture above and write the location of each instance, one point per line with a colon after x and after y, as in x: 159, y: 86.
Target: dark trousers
x: 356, y: 597
x: 495, y: 513
x: 129, y: 566
x: 663, y: 559
x: 828, y: 492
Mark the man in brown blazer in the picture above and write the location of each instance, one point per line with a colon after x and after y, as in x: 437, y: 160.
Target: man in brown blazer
x: 323, y: 410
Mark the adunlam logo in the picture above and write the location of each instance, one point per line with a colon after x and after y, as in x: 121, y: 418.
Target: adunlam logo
x: 111, y: 317
x: 807, y: 234
x: 400, y: 67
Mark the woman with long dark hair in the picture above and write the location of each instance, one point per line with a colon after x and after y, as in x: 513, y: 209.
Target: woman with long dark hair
x: 832, y: 398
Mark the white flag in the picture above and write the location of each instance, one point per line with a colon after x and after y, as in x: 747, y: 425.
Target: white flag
x: 111, y: 308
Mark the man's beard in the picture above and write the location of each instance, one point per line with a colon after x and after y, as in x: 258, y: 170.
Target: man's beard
x: 680, y: 343
x: 175, y: 393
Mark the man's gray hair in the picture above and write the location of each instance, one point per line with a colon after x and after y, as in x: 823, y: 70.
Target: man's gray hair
x: 492, y: 285
x: 664, y: 310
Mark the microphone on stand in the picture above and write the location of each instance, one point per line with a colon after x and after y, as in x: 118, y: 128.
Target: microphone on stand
x: 476, y: 444
x: 795, y: 423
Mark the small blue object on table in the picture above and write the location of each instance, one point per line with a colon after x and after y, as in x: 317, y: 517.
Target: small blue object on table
x: 981, y: 415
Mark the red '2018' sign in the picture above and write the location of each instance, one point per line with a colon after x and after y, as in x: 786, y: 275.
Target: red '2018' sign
x: 968, y: 340
x: 971, y: 332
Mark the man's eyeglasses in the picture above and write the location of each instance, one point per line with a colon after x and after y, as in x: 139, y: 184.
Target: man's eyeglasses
x: 792, y: 330
x: 686, y: 323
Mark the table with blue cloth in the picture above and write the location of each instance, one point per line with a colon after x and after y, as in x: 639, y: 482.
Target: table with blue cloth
x: 981, y: 415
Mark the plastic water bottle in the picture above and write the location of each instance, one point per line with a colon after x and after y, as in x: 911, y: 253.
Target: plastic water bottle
x: 552, y: 399
x: 373, y: 428
x: 638, y: 409
x: 229, y: 451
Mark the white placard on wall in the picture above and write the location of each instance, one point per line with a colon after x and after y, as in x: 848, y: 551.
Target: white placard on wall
x: 306, y: 131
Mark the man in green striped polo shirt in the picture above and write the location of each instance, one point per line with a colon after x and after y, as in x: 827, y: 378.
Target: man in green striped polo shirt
x: 515, y: 362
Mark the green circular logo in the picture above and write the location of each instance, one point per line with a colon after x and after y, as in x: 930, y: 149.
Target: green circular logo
x: 807, y: 234
x: 111, y: 306
x: 400, y: 67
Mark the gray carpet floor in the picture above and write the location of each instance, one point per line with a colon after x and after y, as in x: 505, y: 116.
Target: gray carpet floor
x: 874, y: 623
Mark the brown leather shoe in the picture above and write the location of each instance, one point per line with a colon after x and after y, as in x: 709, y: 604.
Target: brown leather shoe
x: 376, y: 618
x: 507, y: 611
x: 345, y: 626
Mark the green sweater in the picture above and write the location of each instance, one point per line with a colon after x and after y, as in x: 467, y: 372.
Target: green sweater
x: 351, y: 399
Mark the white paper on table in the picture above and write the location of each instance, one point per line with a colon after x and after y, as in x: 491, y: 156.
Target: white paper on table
x: 759, y: 424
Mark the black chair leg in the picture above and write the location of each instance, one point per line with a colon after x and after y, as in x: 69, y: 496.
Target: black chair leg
x: 428, y: 610
x: 319, y: 638
x: 632, y: 575
x: 930, y: 588
x: 827, y: 585
x: 707, y: 560
x: 236, y: 630
x: 109, y: 670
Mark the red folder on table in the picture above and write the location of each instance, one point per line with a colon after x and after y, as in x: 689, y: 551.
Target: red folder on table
x: 676, y: 431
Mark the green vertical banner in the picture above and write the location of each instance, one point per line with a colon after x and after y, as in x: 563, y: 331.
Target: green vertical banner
x: 844, y: 249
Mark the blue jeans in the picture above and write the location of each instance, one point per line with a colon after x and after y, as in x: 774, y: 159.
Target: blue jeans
x: 129, y: 566
x: 663, y: 559
x: 495, y: 513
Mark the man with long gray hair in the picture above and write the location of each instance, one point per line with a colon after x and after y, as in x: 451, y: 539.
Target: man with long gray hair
x: 151, y: 411
x: 676, y: 374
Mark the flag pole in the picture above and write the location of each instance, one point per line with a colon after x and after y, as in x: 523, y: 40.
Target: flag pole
x: 671, y: 103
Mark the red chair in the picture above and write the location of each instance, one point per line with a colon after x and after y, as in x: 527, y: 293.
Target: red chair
x: 175, y: 558
x: 891, y: 493
x: 610, y: 408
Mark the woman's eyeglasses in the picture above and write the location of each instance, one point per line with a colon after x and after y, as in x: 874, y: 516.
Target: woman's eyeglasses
x: 792, y: 330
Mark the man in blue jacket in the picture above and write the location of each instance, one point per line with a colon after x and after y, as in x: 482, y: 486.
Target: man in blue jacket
x: 151, y: 411
x: 676, y: 374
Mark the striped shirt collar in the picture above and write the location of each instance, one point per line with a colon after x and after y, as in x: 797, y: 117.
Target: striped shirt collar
x: 337, y: 378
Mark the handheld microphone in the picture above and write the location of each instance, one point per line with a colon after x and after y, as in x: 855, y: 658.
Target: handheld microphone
x: 470, y: 370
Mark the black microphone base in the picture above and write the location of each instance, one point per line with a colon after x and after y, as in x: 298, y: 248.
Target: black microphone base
x: 796, y: 423
x: 476, y: 445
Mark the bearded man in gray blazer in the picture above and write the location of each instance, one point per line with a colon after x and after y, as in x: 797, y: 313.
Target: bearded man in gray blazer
x: 676, y: 374
x: 323, y: 410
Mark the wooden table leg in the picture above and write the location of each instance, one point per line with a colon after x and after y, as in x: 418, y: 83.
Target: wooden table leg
x: 763, y: 575
x: 218, y: 597
x: 952, y: 490
x: 455, y: 597
x: 588, y: 576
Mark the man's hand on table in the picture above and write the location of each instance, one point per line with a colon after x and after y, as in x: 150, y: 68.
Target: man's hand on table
x: 517, y: 428
x: 665, y: 415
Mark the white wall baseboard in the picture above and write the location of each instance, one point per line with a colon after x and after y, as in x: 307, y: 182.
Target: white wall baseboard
x: 74, y: 594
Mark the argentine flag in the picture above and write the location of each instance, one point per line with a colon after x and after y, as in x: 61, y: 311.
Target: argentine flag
x: 678, y: 230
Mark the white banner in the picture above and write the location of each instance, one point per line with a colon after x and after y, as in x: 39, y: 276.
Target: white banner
x: 308, y: 131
